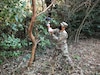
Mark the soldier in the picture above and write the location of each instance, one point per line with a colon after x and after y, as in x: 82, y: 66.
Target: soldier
x: 61, y: 40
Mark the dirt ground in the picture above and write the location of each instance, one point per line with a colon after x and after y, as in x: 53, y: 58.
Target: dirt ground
x: 85, y: 56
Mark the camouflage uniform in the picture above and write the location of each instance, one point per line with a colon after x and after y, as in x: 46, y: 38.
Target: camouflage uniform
x: 61, y: 42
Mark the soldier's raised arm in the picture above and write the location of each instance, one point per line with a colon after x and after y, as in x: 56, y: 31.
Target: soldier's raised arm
x: 61, y: 37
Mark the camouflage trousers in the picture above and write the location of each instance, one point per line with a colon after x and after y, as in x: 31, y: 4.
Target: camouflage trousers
x: 63, y: 50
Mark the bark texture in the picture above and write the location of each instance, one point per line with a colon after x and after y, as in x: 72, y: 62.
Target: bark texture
x: 32, y: 37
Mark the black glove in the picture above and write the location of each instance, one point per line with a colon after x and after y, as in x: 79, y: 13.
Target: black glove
x: 48, y: 18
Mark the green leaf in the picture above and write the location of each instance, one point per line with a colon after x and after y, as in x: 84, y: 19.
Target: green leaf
x: 1, y: 61
x: 98, y: 26
x: 21, y: 19
x: 16, y: 18
x: 14, y: 27
x: 77, y: 57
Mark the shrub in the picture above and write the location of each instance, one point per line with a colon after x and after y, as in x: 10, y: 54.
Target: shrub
x: 10, y: 42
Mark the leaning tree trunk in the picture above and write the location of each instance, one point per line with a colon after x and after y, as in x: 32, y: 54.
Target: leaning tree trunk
x: 32, y: 37
x: 82, y: 24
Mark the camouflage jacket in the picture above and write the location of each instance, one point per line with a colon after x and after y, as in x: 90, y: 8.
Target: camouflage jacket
x: 60, y: 37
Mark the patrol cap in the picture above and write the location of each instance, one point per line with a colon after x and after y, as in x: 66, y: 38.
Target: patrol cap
x: 64, y: 24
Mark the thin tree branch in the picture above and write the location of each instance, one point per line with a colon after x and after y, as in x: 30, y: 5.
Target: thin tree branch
x: 33, y: 39
x: 47, y: 8
x: 82, y: 24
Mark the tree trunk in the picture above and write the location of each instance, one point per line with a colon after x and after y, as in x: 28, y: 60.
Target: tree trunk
x: 33, y: 39
x: 82, y: 24
x: 31, y: 34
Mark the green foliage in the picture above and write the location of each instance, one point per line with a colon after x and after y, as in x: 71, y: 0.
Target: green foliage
x: 12, y: 15
x: 75, y: 14
x: 44, y: 43
x: 11, y: 11
x: 10, y: 42
x: 1, y: 61
x: 43, y: 33
x: 10, y: 54
x: 24, y: 43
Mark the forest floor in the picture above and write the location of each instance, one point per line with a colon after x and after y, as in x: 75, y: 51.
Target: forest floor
x: 85, y: 56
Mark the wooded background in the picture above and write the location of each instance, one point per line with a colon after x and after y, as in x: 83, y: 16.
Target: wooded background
x: 82, y: 17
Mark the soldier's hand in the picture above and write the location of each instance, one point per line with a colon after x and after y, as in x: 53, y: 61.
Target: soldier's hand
x: 48, y: 25
x: 50, y: 30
